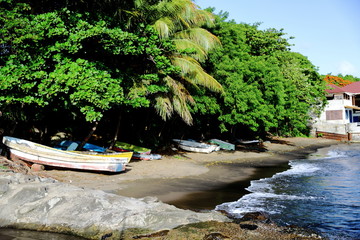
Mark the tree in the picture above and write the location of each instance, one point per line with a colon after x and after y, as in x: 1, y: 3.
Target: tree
x: 268, y: 89
x: 181, y: 21
x: 338, y: 81
x: 67, y: 60
x: 177, y: 22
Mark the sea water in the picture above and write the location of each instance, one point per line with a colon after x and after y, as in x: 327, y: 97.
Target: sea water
x: 321, y: 193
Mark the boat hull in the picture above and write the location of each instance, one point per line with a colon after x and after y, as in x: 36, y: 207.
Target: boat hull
x: 127, y: 147
x: 193, y: 146
x: 40, y: 154
x: 140, y: 156
x: 223, y: 145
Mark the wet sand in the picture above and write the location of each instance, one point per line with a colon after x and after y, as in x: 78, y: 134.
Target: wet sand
x: 195, y: 180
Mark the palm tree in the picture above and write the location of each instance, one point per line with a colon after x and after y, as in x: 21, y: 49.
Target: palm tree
x: 182, y: 21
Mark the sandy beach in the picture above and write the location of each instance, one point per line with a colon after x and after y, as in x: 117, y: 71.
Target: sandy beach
x: 186, y: 180
x: 190, y: 180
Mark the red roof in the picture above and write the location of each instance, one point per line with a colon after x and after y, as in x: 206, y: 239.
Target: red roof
x: 331, y: 88
x: 352, y: 87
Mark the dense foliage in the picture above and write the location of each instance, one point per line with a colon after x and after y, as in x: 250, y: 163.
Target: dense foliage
x: 268, y: 88
x: 65, y: 63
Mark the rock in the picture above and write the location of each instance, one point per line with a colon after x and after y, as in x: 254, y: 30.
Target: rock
x: 248, y: 226
x: 215, y: 236
x: 255, y: 217
x: 34, y: 203
x: 37, y: 167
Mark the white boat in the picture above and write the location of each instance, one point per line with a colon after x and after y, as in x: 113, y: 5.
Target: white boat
x: 248, y: 141
x: 40, y: 154
x: 194, y: 146
x: 141, y: 156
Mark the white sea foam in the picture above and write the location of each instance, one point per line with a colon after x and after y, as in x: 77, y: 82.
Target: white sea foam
x: 255, y: 201
x: 264, y: 189
x: 336, y: 153
x: 300, y: 168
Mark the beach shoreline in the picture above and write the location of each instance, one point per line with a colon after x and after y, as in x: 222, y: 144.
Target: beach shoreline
x: 181, y: 175
x: 171, y: 180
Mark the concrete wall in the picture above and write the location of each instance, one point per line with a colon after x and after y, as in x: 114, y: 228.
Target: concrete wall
x: 330, y: 127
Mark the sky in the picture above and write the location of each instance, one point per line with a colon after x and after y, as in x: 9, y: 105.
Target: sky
x: 325, y: 31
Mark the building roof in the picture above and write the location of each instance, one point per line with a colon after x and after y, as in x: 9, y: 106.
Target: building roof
x: 331, y: 88
x: 352, y: 87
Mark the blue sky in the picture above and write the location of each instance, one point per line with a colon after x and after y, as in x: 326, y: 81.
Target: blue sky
x: 326, y: 31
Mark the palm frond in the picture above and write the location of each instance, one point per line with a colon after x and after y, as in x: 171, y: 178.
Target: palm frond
x: 199, y: 53
x: 200, y: 36
x: 164, y: 26
x: 182, y: 109
x: 179, y: 90
x: 195, y: 74
x: 196, y: 17
x: 164, y: 106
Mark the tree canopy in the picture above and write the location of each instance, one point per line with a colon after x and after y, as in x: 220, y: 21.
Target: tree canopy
x: 268, y: 88
x: 170, y: 61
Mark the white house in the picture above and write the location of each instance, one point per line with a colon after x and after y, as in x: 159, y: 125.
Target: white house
x: 342, y: 113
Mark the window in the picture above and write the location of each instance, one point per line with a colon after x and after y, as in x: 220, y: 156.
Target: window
x: 338, y: 97
x: 334, y: 115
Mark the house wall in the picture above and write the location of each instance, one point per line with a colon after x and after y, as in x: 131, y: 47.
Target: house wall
x: 335, y: 108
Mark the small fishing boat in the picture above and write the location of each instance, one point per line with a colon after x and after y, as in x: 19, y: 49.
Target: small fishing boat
x: 139, y: 153
x: 194, y: 146
x: 71, y: 146
x: 40, y: 154
x: 89, y: 149
x: 127, y: 147
x: 248, y: 141
x: 140, y: 156
x: 223, y: 145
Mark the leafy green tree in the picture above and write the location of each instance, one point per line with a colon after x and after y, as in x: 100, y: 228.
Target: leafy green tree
x: 73, y: 61
x: 305, y: 96
x: 161, y: 68
x: 268, y: 89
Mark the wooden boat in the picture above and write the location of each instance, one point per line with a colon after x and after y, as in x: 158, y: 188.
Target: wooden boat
x: 139, y: 153
x: 90, y: 149
x: 248, y: 141
x: 140, y: 156
x: 223, y: 144
x: 44, y: 155
x: 194, y: 146
x: 71, y: 145
x: 127, y: 147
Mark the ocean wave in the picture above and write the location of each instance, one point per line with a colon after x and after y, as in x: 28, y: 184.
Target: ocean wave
x: 254, y: 202
x: 300, y: 168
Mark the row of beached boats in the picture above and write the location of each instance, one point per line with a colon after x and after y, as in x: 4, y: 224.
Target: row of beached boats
x: 94, y: 157
x: 63, y: 155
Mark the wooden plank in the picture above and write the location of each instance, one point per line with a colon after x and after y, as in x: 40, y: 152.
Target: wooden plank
x: 335, y: 136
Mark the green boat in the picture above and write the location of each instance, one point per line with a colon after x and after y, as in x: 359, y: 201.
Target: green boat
x: 127, y: 147
x: 223, y: 145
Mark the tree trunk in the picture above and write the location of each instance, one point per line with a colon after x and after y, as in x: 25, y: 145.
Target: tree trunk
x: 116, y: 132
x: 93, y: 129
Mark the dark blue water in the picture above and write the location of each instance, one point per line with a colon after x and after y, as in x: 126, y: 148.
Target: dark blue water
x: 321, y: 193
